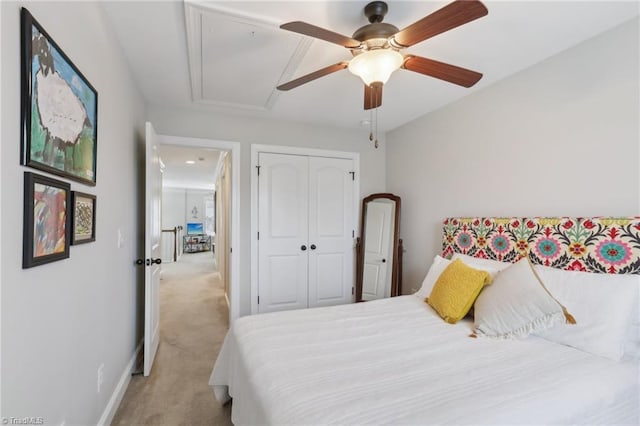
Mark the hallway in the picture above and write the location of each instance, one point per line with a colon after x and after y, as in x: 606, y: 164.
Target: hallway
x: 193, y: 323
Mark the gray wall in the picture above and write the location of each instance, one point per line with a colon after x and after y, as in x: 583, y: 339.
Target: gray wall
x: 560, y: 138
x: 247, y: 131
x: 61, y: 320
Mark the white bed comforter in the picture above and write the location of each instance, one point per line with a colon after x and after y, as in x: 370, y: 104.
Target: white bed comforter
x: 393, y: 361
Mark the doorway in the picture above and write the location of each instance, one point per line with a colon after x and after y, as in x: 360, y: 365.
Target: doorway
x: 188, y: 218
x: 226, y: 234
x: 153, y: 169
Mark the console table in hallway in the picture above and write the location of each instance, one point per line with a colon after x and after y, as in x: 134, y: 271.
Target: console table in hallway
x: 196, y: 243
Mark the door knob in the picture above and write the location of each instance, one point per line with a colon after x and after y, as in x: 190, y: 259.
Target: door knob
x: 148, y: 262
x: 384, y: 260
x: 312, y: 247
x: 303, y: 247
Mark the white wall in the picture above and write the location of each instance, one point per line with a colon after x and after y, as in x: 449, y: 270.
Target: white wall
x: 177, y: 205
x: 61, y: 320
x: 174, y: 201
x: 255, y: 130
x: 195, y: 207
x: 560, y: 138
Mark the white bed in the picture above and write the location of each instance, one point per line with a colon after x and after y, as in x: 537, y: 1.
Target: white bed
x: 382, y: 362
x: 397, y: 362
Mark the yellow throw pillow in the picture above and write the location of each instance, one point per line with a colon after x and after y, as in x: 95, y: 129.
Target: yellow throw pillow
x: 456, y: 289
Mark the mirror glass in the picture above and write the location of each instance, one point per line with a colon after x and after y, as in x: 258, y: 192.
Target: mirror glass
x: 378, y: 262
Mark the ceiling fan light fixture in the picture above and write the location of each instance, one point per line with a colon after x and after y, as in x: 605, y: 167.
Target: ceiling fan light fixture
x: 376, y: 65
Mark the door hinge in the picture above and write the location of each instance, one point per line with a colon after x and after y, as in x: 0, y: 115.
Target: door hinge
x: 258, y: 234
x: 353, y: 175
x: 258, y: 167
x: 352, y: 290
x: 353, y: 233
x: 230, y: 250
x: 258, y: 300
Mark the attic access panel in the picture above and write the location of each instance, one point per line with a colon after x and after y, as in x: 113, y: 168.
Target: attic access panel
x: 237, y: 60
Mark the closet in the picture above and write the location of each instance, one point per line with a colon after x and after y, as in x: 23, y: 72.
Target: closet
x: 306, y: 231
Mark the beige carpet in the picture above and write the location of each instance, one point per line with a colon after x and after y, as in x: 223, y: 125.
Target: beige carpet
x: 193, y: 323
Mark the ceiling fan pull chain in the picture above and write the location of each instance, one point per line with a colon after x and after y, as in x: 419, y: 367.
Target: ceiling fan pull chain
x: 376, y: 142
x: 371, y: 125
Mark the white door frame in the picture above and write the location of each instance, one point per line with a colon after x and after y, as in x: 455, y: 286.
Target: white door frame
x: 234, y: 240
x: 277, y: 149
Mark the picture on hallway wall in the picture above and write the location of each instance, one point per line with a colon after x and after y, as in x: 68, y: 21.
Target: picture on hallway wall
x: 46, y: 235
x: 83, y: 223
x: 59, y: 110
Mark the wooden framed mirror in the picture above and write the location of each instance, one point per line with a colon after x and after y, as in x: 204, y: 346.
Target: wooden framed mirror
x: 379, y: 248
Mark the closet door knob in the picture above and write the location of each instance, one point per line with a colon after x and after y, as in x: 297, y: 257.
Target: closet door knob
x: 312, y: 247
x: 303, y: 247
x: 384, y: 260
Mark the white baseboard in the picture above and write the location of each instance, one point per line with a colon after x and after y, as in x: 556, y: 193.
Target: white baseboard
x: 121, y: 388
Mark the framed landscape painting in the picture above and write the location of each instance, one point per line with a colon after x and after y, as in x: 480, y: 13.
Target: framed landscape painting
x: 83, y: 224
x: 59, y: 109
x: 46, y: 220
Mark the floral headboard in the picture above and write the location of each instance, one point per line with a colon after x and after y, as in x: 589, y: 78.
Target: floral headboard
x: 597, y: 244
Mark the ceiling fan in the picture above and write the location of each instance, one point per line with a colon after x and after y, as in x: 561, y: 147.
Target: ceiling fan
x: 376, y: 48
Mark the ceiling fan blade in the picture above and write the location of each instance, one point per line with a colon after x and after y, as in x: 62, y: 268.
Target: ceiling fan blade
x: 452, y: 15
x: 446, y: 72
x: 372, y: 96
x: 317, y: 32
x: 312, y: 76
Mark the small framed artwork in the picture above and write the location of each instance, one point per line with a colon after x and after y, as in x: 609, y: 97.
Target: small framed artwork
x: 47, y: 222
x: 59, y: 109
x: 83, y: 223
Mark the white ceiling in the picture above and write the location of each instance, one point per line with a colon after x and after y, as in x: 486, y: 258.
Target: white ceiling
x: 178, y: 174
x: 238, y: 55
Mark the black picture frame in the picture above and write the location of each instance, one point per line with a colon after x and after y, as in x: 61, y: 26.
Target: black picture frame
x: 47, y: 222
x: 83, y: 219
x: 59, y: 133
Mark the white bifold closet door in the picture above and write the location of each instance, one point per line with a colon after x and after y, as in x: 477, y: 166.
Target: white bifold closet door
x: 283, y: 228
x: 306, y: 225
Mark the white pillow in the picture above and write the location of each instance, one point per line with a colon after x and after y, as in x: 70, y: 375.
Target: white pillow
x: 478, y: 263
x: 439, y: 264
x: 515, y: 305
x: 632, y: 341
x: 603, y: 306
